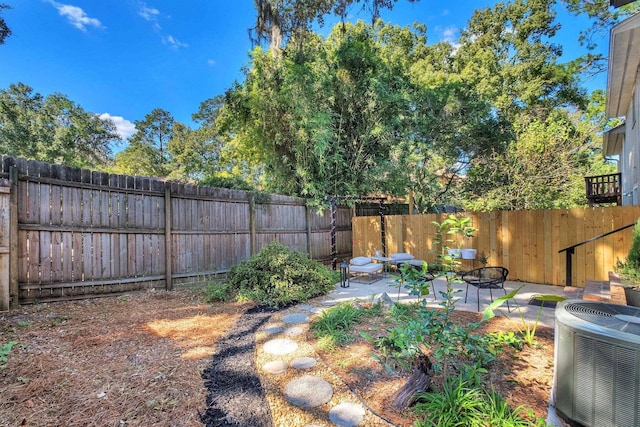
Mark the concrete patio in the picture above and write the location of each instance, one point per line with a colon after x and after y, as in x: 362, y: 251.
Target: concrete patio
x: 372, y: 291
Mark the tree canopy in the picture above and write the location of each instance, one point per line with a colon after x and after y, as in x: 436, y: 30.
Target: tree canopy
x: 53, y: 129
x: 374, y: 109
x: 494, y: 121
x: 5, y: 31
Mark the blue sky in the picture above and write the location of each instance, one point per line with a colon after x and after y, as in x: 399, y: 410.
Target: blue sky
x: 124, y: 58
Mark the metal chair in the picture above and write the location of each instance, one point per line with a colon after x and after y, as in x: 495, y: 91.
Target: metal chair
x: 486, y: 278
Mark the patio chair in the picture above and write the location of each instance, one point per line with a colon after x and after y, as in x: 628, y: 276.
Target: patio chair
x: 363, y: 270
x: 486, y: 278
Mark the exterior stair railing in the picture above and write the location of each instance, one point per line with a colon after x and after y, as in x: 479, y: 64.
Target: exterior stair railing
x: 570, y: 250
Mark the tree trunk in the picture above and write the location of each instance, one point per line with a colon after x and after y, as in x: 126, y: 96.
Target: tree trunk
x: 418, y: 382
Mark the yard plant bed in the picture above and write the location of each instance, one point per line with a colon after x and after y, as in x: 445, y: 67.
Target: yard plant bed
x: 524, y: 378
x: 168, y: 359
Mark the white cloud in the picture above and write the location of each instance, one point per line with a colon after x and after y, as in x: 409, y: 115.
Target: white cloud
x: 173, y: 42
x: 211, y: 62
x: 76, y: 16
x: 450, y: 35
x: 148, y: 13
x: 125, y: 127
x: 151, y: 14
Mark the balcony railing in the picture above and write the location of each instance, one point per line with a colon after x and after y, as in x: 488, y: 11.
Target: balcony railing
x: 603, y: 189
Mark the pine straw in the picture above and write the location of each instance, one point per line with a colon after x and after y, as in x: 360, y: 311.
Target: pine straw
x: 134, y: 360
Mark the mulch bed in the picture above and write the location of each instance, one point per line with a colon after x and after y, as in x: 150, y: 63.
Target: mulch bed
x: 235, y: 395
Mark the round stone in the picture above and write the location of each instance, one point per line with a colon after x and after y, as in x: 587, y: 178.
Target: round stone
x: 280, y: 346
x: 294, y: 318
x: 308, y: 392
x: 294, y: 331
x: 347, y: 414
x: 305, y: 307
x: 273, y: 329
x: 303, y: 362
x: 274, y: 367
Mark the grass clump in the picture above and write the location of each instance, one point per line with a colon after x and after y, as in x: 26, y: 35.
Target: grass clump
x: 333, y: 326
x: 465, y: 402
x: 278, y: 276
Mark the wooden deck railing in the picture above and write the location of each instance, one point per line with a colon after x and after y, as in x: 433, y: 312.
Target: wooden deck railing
x: 604, y: 189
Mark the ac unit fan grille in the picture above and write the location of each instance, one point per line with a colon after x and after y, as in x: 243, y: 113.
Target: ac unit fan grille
x: 607, y: 315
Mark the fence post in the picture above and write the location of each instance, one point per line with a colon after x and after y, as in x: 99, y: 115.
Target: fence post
x: 334, y: 249
x: 252, y: 224
x: 5, y: 246
x: 168, y: 220
x: 14, y: 291
x: 308, y: 219
x: 383, y: 233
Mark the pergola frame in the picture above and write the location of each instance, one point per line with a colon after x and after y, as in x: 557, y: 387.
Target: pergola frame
x: 334, y: 208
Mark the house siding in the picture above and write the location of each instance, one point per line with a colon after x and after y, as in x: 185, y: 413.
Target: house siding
x: 629, y: 159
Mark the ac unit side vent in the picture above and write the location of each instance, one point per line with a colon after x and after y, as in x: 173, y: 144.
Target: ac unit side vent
x: 597, y: 364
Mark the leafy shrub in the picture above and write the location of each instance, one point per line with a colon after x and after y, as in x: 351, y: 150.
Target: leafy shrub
x: 218, y: 292
x: 277, y: 276
x: 629, y: 270
x: 633, y: 257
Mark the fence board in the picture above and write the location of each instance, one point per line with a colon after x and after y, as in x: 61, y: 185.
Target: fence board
x: 525, y: 242
x: 82, y: 232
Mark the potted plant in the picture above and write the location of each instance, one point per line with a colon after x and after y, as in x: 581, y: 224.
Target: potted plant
x: 629, y: 270
x: 483, y: 259
x: 447, y: 257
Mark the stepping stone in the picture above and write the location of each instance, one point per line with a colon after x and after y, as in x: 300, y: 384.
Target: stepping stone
x: 308, y: 392
x: 273, y: 329
x: 280, y: 346
x: 303, y: 363
x: 294, y: 318
x: 275, y: 367
x: 347, y: 415
x: 294, y: 331
x: 329, y: 303
x: 310, y: 308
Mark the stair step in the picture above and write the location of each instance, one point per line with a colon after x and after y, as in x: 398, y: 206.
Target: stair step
x: 572, y: 292
x: 597, y: 290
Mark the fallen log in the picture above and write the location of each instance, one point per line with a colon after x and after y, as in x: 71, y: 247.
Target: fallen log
x: 418, y: 382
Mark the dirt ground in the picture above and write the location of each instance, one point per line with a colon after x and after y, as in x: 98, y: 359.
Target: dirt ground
x: 131, y: 360
x: 168, y: 359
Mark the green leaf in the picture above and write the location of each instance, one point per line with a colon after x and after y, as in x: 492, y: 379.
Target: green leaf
x: 489, y: 311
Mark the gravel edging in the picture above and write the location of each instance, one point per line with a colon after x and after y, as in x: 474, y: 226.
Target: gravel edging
x: 235, y: 395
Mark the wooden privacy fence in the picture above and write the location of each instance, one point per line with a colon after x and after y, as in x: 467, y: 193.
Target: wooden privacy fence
x: 525, y: 242
x: 70, y: 233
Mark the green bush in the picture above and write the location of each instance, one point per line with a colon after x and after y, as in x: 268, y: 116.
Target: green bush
x: 629, y: 270
x: 218, y: 292
x: 277, y: 276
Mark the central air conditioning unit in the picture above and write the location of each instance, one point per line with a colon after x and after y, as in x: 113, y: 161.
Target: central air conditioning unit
x: 597, y: 363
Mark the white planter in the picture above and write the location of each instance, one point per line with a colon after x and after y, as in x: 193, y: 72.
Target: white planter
x: 468, y: 253
x: 454, y: 253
